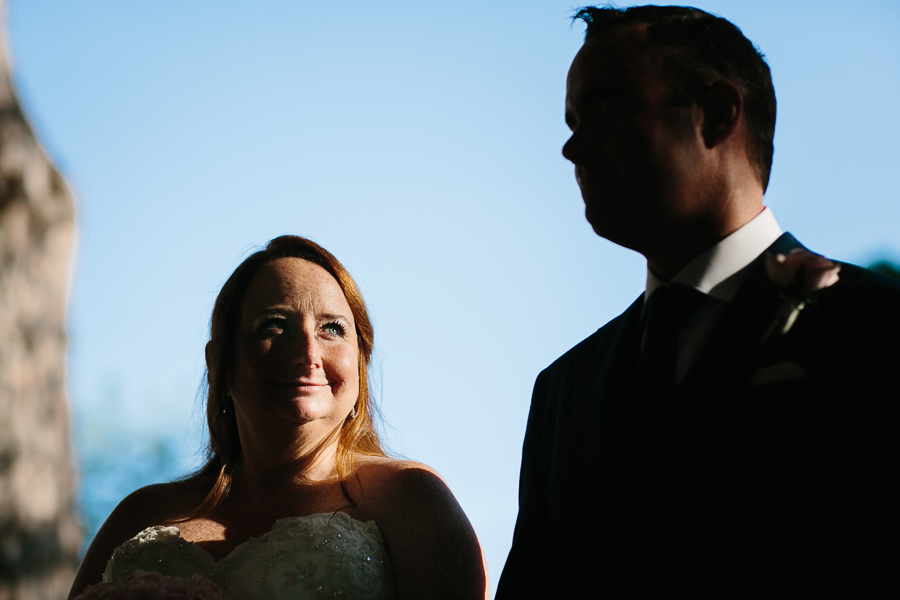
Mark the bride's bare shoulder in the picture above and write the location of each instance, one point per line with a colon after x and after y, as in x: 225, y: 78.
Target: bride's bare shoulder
x: 386, y: 465
x: 423, y: 525
x: 159, y: 503
x: 381, y: 478
x: 148, y: 506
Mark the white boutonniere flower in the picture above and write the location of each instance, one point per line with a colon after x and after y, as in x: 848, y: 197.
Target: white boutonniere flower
x: 800, y: 273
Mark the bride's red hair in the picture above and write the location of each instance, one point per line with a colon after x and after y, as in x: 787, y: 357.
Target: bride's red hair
x: 357, y: 434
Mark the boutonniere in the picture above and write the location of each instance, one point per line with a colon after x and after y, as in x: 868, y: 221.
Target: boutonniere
x: 800, y: 274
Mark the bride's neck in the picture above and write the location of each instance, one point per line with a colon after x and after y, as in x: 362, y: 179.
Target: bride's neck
x: 257, y: 481
x: 298, y: 455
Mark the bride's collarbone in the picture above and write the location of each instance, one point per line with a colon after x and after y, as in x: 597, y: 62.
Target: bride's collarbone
x: 239, y: 518
x: 216, y: 538
x: 233, y: 524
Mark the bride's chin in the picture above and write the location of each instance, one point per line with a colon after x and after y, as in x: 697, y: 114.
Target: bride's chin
x: 307, y: 410
x: 301, y: 416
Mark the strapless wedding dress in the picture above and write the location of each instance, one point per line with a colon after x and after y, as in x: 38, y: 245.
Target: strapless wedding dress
x: 317, y: 556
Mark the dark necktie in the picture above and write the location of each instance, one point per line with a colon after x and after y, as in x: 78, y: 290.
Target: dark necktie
x: 670, y: 310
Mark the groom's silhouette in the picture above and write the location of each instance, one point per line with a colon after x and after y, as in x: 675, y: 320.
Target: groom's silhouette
x: 735, y: 430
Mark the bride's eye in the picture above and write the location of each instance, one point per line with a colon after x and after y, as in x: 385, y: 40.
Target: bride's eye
x: 271, y: 325
x: 334, y: 328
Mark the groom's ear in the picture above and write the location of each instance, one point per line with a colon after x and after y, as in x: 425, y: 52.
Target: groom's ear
x: 723, y: 109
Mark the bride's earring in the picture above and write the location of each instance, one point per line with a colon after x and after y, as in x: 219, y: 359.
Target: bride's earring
x: 353, y: 412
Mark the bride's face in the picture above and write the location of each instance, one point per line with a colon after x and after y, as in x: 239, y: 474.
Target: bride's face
x: 297, y: 358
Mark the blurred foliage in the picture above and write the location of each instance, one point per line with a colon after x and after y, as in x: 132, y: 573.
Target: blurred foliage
x: 886, y: 268
x: 116, y: 464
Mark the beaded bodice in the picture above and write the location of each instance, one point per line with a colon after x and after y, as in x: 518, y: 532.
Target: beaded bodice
x: 318, y: 556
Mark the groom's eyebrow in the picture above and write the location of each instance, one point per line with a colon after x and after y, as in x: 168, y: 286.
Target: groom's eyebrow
x: 596, y: 95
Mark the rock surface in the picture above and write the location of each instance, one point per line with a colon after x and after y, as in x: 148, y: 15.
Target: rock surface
x: 39, y: 535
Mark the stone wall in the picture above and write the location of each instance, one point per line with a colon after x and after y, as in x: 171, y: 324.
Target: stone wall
x: 39, y: 535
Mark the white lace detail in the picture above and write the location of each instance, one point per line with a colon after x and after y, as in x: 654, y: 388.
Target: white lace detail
x: 317, y: 556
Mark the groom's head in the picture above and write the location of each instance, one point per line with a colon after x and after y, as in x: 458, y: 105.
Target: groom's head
x: 661, y: 100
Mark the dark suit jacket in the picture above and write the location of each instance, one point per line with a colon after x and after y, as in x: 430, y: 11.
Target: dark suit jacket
x: 770, y: 467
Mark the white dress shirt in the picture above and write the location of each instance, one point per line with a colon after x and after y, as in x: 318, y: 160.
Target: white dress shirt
x: 718, y: 273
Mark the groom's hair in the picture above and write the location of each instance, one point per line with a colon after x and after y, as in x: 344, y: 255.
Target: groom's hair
x: 704, y: 48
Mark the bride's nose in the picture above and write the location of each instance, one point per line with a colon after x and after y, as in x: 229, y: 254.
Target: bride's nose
x: 307, y: 351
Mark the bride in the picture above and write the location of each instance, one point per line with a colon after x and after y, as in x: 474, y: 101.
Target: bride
x: 297, y: 499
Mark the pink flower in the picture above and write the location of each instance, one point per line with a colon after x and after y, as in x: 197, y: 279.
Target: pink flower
x: 145, y: 585
x: 800, y: 273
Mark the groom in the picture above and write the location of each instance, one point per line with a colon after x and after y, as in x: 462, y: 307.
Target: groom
x: 734, y: 432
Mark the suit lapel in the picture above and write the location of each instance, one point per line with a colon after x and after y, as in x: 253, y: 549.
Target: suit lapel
x: 623, y: 347
x: 606, y: 385
x: 736, y: 348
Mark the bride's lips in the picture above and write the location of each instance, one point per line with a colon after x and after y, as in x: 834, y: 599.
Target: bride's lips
x: 308, y: 386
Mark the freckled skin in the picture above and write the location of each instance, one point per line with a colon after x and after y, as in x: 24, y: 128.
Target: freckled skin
x: 297, y: 360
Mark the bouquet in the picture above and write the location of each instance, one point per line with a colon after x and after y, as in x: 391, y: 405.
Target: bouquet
x: 145, y: 585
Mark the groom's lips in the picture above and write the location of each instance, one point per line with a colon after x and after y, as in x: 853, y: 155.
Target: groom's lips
x: 584, y: 177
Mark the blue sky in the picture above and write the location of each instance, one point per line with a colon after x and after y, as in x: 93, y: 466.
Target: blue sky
x: 419, y: 142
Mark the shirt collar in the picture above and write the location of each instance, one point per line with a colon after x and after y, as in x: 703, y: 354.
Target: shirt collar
x: 720, y: 270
